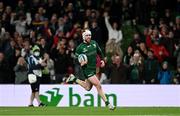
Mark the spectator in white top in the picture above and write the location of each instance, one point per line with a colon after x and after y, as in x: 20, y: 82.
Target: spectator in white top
x: 20, y: 24
x: 113, y: 32
x: 114, y: 36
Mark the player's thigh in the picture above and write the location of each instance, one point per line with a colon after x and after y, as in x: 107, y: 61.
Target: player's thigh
x: 94, y: 80
x: 88, y: 83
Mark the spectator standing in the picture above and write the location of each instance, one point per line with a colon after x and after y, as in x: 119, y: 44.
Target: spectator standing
x: 117, y: 72
x: 4, y: 69
x: 150, y: 69
x: 177, y: 54
x: 21, y: 71
x: 48, y: 73
x: 165, y: 75
x: 20, y: 24
x: 153, y: 42
x: 136, y: 41
x: 128, y: 56
x: 136, y: 68
x: 61, y: 61
x: 97, y: 33
x: 176, y: 79
x: 10, y: 54
x: 114, y: 35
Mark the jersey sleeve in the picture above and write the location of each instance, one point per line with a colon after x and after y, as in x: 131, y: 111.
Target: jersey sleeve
x: 99, y: 51
x: 77, y: 52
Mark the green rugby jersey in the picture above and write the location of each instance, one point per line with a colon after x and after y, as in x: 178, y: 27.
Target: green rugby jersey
x: 91, y: 50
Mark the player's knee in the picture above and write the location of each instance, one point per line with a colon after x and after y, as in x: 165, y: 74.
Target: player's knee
x: 98, y: 86
x: 88, y: 88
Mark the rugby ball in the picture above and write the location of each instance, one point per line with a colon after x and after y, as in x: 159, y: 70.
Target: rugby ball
x: 82, y: 58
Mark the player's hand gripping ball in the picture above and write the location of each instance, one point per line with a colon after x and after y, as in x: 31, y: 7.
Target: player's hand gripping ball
x: 82, y: 58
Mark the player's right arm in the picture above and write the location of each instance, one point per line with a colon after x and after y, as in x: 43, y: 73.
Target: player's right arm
x: 100, y: 53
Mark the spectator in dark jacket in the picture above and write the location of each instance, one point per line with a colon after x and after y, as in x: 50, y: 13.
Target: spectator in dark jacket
x: 136, y: 41
x: 4, y: 70
x: 10, y: 54
x: 96, y: 33
x: 150, y: 69
x: 61, y: 61
x: 176, y: 78
x: 177, y: 54
x: 117, y: 72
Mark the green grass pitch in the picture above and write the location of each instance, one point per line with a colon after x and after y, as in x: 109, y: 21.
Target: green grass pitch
x: 95, y: 111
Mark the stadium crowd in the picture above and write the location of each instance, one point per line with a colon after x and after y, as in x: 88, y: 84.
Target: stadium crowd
x: 55, y: 26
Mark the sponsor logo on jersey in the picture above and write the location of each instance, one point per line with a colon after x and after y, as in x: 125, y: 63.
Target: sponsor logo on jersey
x: 85, y: 50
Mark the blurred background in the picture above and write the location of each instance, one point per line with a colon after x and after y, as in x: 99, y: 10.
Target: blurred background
x: 140, y: 39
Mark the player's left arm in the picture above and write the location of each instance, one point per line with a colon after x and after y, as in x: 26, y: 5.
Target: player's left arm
x: 100, y: 53
x: 77, y: 53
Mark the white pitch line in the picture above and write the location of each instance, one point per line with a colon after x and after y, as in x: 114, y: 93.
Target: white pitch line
x: 6, y: 110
